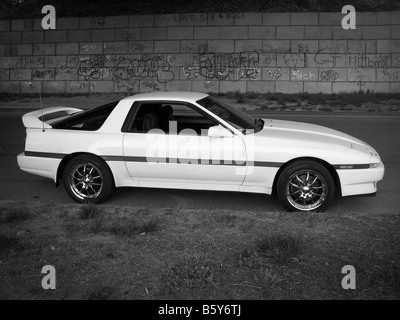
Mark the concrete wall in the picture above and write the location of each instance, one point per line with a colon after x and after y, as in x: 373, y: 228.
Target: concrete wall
x: 246, y: 52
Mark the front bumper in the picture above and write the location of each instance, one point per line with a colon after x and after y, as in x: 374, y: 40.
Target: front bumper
x: 360, y: 181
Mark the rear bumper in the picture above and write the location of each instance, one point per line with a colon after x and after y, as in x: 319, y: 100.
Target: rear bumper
x: 360, y: 181
x: 44, y: 167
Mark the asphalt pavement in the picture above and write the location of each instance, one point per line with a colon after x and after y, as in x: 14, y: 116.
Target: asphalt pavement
x: 382, y: 132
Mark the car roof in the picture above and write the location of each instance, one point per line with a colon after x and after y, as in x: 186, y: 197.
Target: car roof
x: 169, y: 96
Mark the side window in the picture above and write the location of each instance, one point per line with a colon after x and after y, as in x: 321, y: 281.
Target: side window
x: 90, y: 120
x: 171, y: 118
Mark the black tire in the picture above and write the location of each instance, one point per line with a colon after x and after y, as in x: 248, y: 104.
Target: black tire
x: 305, y: 186
x: 87, y: 179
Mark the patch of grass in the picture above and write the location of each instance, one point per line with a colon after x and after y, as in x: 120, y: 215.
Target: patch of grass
x: 14, y: 213
x: 226, y: 219
x: 8, y: 242
x: 171, y: 211
x: 143, y: 211
x: 120, y: 227
x: 150, y: 226
x: 239, y: 98
x: 391, y: 275
x: 126, y: 227
x: 222, y: 258
x: 268, y: 276
x: 100, y: 292
x: 71, y: 228
x: 194, y: 272
x: 89, y: 211
x: 97, y: 225
x: 280, y: 247
x: 250, y: 258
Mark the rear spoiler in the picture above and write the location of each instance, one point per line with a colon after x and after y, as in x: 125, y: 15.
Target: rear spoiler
x: 37, y: 118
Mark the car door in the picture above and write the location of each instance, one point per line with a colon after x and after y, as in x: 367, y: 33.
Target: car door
x: 179, y: 153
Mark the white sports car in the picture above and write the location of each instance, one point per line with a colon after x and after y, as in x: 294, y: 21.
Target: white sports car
x: 187, y: 140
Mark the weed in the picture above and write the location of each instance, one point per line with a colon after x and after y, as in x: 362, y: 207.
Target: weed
x: 100, y: 293
x: 250, y: 258
x: 124, y: 227
x: 280, y: 247
x: 97, y: 225
x: 150, y: 225
x: 227, y: 219
x: 268, y: 276
x: 239, y: 96
x: 71, y: 227
x: 169, y: 211
x: 194, y: 272
x: 110, y: 253
x: 7, y: 242
x: 391, y: 274
x: 89, y: 211
x: 143, y: 211
x: 10, y: 213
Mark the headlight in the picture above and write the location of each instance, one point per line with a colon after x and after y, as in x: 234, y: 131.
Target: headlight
x: 375, y: 165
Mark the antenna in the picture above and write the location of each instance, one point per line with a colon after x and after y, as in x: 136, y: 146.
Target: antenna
x: 29, y: 84
x: 41, y: 104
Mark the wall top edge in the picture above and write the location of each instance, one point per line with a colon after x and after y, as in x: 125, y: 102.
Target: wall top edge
x: 210, y: 13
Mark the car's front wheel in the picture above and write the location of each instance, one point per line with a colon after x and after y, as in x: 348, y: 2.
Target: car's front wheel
x: 305, y: 186
x: 87, y: 178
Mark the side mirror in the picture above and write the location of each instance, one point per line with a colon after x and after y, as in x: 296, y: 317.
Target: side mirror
x: 219, y: 132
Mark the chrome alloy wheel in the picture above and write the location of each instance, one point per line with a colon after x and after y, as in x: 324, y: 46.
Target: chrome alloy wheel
x: 306, y: 190
x: 86, y: 181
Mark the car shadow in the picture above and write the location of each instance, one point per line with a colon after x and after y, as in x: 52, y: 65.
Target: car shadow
x: 193, y: 199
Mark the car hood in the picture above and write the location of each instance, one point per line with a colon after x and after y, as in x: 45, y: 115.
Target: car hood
x: 311, y: 133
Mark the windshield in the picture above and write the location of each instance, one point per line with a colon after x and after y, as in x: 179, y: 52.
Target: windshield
x: 233, y: 116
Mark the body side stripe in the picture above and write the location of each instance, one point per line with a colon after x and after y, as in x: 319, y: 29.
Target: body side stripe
x: 186, y: 161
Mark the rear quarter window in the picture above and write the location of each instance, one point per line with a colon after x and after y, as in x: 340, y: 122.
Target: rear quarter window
x: 90, y: 120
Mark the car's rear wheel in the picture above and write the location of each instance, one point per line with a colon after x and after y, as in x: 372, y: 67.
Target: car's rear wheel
x: 87, y: 178
x: 305, y: 186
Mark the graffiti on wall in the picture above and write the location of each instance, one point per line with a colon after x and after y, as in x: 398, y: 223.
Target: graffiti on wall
x: 154, y: 67
x: 127, y: 62
x: 129, y: 86
x: 221, y: 66
x: 274, y: 74
x: 303, y: 75
x: 296, y: 57
x: 361, y: 60
x: 391, y: 75
x: 93, y: 68
x: 329, y: 75
x: 127, y: 67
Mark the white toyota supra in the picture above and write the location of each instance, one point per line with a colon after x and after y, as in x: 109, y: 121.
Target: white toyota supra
x: 187, y: 140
